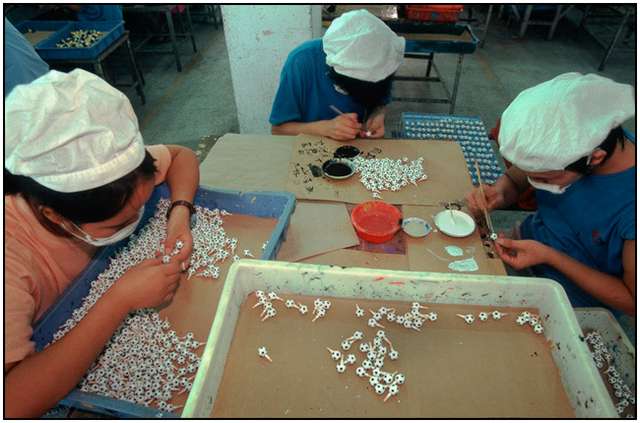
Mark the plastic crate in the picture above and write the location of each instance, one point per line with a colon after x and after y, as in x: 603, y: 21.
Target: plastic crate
x: 48, y: 50
x: 55, y: 26
x: 278, y: 205
x: 435, y: 13
x: 582, y: 383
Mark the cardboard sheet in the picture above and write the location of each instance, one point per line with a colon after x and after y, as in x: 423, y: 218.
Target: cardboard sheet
x: 452, y: 369
x: 444, y: 164
x: 196, y: 300
x: 248, y: 163
x: 429, y: 254
x: 317, y: 228
x: 357, y: 258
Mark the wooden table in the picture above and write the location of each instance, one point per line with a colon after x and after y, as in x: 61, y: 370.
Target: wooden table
x: 261, y: 162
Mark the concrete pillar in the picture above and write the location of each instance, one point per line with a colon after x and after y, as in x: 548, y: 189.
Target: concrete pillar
x: 259, y: 38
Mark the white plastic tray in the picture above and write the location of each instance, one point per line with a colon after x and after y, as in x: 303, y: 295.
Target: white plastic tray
x: 582, y: 383
x: 617, y: 342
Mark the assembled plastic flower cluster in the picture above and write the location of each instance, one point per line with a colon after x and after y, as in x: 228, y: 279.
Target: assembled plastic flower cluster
x: 388, y: 174
x: 602, y: 358
x: 146, y: 362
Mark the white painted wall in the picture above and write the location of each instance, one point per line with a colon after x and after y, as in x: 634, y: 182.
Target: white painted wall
x: 259, y: 38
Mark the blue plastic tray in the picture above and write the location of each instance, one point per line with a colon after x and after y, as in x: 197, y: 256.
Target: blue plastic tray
x: 48, y: 50
x: 56, y: 26
x: 278, y: 205
x: 468, y: 131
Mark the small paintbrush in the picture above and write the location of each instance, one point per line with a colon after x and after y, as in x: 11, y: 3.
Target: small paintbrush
x: 493, y: 236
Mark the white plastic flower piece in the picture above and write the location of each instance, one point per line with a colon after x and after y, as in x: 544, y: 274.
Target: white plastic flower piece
x: 290, y: 304
x: 166, y: 259
x: 538, y: 329
x: 380, y: 389
x: 346, y: 344
x: 521, y: 321
x: 394, y: 355
x: 273, y: 296
x: 335, y: 354
x: 350, y: 359
x: 359, y: 311
x: 364, y: 347
x: 432, y: 316
x: 361, y: 372
x: 373, y: 323
x: 247, y: 253
x: 483, y: 316
x: 262, y: 352
x: 340, y: 367
x: 393, y: 390
x: 303, y: 309
x: 468, y: 318
x: 496, y: 315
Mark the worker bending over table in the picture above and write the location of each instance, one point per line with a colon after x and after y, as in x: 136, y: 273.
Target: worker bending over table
x: 77, y: 177
x: 564, y: 138
x: 337, y: 86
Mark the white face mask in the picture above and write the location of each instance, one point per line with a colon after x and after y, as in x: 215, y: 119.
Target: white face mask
x: 554, y: 189
x: 118, y: 236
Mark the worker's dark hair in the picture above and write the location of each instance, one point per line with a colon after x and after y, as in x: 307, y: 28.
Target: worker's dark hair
x: 616, y: 136
x: 368, y: 94
x: 94, y: 205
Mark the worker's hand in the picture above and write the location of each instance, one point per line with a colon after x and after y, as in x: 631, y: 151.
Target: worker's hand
x: 522, y: 253
x: 375, y: 127
x: 179, y: 228
x: 492, y: 199
x: 343, y: 127
x: 148, y: 284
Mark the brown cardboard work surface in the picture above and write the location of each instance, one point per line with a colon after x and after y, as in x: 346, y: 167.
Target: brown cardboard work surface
x: 444, y: 165
x: 196, y: 300
x: 489, y: 369
x: 429, y: 254
x: 317, y: 228
x: 248, y: 163
x: 357, y: 258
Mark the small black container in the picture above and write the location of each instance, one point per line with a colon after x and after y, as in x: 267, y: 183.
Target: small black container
x: 338, y: 169
x: 346, y: 152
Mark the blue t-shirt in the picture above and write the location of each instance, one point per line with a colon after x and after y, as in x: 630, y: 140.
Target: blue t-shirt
x: 94, y: 12
x: 589, y: 222
x: 306, y: 91
x: 21, y: 62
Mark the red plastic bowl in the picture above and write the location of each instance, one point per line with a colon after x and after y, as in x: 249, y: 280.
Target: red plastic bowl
x: 376, y: 221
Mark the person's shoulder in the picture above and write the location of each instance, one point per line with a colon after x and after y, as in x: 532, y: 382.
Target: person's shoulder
x: 306, y: 52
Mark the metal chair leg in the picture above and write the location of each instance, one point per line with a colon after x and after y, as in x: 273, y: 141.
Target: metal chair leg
x: 615, y: 40
x: 174, y: 42
x: 456, y: 82
x: 190, y: 24
x: 525, y: 20
x: 486, y: 26
x: 554, y: 24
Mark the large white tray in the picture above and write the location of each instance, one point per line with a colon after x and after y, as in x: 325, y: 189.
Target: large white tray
x: 583, y: 385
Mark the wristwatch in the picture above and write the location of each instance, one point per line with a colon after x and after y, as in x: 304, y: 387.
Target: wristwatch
x: 192, y: 210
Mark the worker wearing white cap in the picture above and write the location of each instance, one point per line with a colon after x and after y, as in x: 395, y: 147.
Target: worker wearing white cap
x: 337, y: 86
x: 77, y: 176
x: 564, y: 139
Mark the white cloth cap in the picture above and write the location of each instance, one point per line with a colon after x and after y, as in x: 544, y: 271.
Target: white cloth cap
x: 361, y: 46
x: 71, y: 132
x: 553, y: 124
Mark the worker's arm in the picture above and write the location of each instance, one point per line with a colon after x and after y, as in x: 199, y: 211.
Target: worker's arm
x: 343, y: 127
x: 183, y: 178
x: 500, y: 195
x: 38, y: 382
x: 615, y: 292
